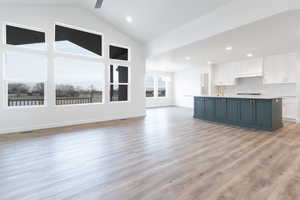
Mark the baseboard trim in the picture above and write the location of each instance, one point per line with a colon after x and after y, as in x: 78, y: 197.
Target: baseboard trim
x: 64, y: 124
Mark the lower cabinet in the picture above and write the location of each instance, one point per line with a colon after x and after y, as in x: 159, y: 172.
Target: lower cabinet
x: 221, y: 110
x: 248, y: 112
x: 233, y: 111
x: 210, y: 109
x: 262, y: 114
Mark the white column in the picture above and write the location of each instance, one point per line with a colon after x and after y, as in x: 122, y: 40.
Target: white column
x: 298, y: 87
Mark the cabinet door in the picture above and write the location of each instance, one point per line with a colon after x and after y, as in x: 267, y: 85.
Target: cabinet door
x: 199, y: 108
x: 289, y: 108
x: 280, y: 69
x: 225, y: 74
x: 210, y: 112
x: 252, y: 67
x: 248, y: 112
x: 233, y: 111
x: 264, y: 113
x: 221, y: 109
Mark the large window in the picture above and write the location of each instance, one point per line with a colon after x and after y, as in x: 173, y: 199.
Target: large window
x: 155, y: 86
x: 73, y: 41
x: 162, y: 87
x: 119, y: 83
x: 149, y: 86
x: 25, y: 77
x: 24, y: 37
x: 78, y: 82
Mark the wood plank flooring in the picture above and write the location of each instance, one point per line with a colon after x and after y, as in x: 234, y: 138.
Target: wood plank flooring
x: 166, y: 156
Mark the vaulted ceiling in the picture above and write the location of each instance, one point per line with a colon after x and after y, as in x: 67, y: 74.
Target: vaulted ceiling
x: 151, y: 19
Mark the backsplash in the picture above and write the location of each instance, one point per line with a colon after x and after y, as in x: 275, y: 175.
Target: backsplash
x: 247, y: 85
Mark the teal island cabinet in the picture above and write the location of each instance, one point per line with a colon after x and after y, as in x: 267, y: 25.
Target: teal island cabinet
x: 261, y: 113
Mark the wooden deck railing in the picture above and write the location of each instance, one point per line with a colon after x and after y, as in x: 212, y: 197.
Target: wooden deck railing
x: 14, y: 102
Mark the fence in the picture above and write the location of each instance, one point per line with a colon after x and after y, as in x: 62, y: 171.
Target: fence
x: 14, y: 102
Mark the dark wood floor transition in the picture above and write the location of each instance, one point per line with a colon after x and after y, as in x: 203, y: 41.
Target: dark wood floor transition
x: 166, y: 156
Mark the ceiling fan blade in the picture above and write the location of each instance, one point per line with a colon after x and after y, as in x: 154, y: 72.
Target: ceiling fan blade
x: 99, y: 4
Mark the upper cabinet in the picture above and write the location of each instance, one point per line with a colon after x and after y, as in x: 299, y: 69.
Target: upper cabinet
x: 224, y: 74
x: 280, y: 69
x: 250, y: 68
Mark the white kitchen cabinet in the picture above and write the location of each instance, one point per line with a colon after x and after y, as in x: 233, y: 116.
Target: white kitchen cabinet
x: 250, y: 68
x: 225, y: 74
x: 289, y: 108
x: 280, y: 69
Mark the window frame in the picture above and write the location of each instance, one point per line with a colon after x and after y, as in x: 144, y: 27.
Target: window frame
x: 123, y: 64
x: 61, y: 53
x: 154, y: 90
x: 83, y: 104
x: 121, y: 46
x: 157, y: 87
x: 156, y: 77
x: 6, y: 81
x: 33, y: 28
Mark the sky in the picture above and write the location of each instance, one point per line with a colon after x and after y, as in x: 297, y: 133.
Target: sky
x: 33, y: 68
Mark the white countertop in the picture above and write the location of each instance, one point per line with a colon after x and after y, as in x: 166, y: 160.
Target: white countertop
x: 244, y: 96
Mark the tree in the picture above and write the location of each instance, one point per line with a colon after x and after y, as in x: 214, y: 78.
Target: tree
x: 18, y: 89
x: 38, y: 88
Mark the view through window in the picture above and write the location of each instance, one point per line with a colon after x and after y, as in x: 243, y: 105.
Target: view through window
x: 78, y: 82
x: 25, y: 76
x: 162, y: 87
x: 118, y: 83
x: 149, y: 86
x: 69, y: 40
x: 155, y: 86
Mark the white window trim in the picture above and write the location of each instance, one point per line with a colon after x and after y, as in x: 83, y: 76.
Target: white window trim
x: 153, y: 87
x: 155, y: 77
x: 23, y: 47
x: 128, y: 84
x: 121, y: 46
x: 82, y: 104
x: 5, y: 86
x: 75, y: 54
x: 165, y: 97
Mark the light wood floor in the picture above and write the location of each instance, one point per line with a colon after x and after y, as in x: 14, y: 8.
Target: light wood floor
x: 166, y: 156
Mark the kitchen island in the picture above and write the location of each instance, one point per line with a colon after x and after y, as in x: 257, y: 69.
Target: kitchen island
x: 258, y: 112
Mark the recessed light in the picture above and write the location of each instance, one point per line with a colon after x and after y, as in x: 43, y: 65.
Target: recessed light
x: 188, y: 58
x: 129, y: 19
x: 229, y: 48
x: 249, y: 55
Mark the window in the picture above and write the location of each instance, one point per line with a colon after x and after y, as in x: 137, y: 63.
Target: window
x: 156, y: 86
x: 23, y: 37
x: 149, y: 85
x: 162, y: 89
x: 118, y: 83
x: 78, y: 82
x: 118, y: 53
x: 69, y: 40
x: 25, y: 77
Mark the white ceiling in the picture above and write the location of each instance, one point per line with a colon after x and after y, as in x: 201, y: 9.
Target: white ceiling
x: 275, y: 35
x: 151, y: 18
x: 39, y: 2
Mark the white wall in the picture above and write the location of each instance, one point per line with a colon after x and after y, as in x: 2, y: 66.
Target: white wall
x: 255, y: 84
x: 23, y: 119
x: 162, y: 101
x: 187, y: 84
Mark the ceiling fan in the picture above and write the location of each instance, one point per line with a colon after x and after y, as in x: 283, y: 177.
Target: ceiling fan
x: 98, y: 4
